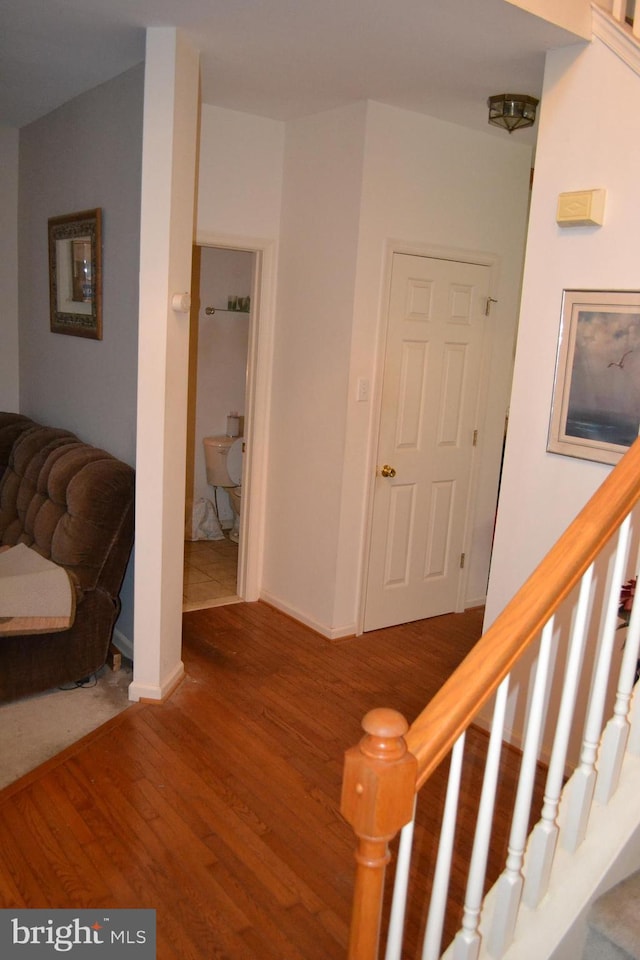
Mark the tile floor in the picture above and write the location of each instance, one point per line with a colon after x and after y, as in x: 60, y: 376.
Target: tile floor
x: 210, y: 573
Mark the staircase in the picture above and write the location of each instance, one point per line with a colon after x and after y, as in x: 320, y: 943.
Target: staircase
x: 568, y: 619
x: 624, y: 13
x: 614, y: 923
x: 570, y: 615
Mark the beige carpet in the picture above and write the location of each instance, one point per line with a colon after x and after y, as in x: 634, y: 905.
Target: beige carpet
x: 37, y: 728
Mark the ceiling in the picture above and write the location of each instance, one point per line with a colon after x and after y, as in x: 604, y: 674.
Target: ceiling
x: 283, y: 58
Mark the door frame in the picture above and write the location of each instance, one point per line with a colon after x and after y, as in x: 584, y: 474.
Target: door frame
x: 434, y: 252
x: 257, y: 405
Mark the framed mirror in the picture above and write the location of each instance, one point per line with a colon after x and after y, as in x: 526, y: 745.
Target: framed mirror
x: 75, y: 274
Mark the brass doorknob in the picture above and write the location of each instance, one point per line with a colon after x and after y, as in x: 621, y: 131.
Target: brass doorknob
x: 388, y: 471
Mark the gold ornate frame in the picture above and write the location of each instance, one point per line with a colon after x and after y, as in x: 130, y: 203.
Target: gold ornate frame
x: 75, y: 274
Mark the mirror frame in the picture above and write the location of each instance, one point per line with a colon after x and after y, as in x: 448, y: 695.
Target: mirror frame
x: 76, y: 226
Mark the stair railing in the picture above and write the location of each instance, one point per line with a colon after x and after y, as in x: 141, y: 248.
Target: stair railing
x: 385, y: 773
x: 623, y: 12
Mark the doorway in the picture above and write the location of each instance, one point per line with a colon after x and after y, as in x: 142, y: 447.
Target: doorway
x: 428, y: 426
x: 223, y: 286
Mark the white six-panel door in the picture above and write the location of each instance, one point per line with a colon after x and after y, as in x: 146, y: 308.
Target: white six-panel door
x: 425, y: 450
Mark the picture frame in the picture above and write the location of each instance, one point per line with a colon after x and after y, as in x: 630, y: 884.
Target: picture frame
x: 75, y: 274
x: 595, y: 410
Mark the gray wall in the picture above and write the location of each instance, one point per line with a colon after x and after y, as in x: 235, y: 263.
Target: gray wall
x: 9, y: 268
x: 85, y: 154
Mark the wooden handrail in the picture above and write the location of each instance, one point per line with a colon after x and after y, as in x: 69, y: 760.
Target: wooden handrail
x: 432, y: 735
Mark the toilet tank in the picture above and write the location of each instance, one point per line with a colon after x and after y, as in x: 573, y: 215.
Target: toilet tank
x: 215, y: 459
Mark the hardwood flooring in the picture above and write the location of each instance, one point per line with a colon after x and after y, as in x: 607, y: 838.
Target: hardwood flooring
x: 219, y: 808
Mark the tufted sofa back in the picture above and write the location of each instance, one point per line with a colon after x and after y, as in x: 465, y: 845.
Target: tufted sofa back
x: 11, y: 426
x: 70, y: 501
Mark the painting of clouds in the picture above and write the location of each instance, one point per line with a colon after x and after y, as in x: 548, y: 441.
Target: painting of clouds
x: 598, y: 376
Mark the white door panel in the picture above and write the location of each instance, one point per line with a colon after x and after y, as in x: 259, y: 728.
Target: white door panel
x: 429, y: 408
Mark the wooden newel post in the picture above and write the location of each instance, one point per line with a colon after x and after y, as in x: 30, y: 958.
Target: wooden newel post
x: 378, y: 791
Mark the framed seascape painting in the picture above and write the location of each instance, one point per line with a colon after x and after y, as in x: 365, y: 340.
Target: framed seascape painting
x: 595, y: 412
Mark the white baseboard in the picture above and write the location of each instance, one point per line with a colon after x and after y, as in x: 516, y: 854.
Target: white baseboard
x: 471, y: 602
x: 331, y: 633
x: 148, y: 691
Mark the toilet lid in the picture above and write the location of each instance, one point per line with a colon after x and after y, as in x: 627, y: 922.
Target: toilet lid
x: 234, y: 462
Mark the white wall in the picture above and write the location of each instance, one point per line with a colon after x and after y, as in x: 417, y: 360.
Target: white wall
x: 9, y: 269
x: 85, y: 154
x: 573, y: 15
x: 585, y: 141
x: 437, y: 184
x: 361, y: 176
x: 318, y: 249
x: 239, y: 175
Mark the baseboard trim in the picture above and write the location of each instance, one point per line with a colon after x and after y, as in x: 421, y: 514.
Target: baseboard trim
x: 149, y: 693
x: 331, y: 633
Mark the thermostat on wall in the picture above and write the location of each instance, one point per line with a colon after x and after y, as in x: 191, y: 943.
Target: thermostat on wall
x: 582, y: 208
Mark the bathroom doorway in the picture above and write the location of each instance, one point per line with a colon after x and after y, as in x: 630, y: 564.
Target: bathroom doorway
x: 224, y: 283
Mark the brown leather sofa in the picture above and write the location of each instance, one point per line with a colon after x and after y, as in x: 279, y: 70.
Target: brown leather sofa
x: 74, y: 504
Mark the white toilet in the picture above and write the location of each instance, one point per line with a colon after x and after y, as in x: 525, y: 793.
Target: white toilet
x: 223, y: 460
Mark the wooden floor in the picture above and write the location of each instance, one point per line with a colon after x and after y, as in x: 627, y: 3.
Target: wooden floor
x: 219, y: 808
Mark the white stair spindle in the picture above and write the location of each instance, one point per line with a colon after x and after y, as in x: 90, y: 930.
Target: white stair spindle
x: 636, y: 20
x: 618, y: 10
x: 435, y: 921
x: 542, y: 844
x: 634, y: 736
x: 400, y: 887
x: 582, y: 785
x: 616, y: 734
x: 509, y: 889
x: 466, y: 945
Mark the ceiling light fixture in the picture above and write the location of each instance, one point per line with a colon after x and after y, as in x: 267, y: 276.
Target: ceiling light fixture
x: 512, y: 110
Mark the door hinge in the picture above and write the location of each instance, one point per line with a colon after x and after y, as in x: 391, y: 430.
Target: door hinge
x: 475, y: 438
x: 487, y: 309
x: 462, y: 558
